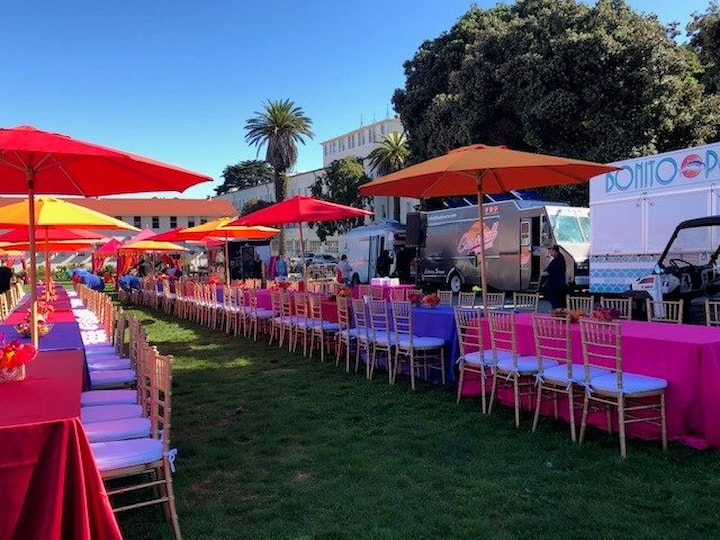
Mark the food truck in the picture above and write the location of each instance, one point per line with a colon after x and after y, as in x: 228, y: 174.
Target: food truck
x: 517, y: 235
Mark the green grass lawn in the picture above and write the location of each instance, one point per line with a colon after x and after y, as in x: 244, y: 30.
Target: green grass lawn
x: 272, y: 445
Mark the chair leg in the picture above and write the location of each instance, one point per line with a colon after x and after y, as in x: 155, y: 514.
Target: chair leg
x: 492, y: 394
x: 571, y: 402
x: 621, y: 426
x: 171, y: 500
x: 412, y: 370
x: 663, y: 427
x: 516, y: 390
x: 442, y: 366
x: 537, y: 408
x: 583, y: 422
x: 461, y: 371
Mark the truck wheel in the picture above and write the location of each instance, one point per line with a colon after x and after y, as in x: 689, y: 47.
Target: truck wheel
x: 455, y: 283
x: 355, y: 280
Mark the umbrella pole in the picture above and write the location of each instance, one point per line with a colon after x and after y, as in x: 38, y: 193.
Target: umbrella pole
x: 47, y: 261
x: 227, y: 261
x: 302, y: 251
x: 33, y: 256
x: 483, y: 268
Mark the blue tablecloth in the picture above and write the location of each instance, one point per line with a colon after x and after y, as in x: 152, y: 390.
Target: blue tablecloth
x: 63, y: 336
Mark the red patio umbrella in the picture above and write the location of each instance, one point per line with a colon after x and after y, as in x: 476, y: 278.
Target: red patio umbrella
x: 39, y: 162
x: 300, y: 210
x: 104, y: 252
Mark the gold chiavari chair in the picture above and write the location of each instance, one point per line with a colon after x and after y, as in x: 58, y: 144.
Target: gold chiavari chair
x: 495, y: 300
x: 377, y: 293
x: 466, y: 299
x: 381, y: 338
x: 303, y: 324
x: 622, y: 305
x: 419, y: 350
x: 446, y: 297
x: 580, y: 303
x: 322, y: 330
x: 345, y: 335
x: 527, y: 302
x: 634, y: 396
x: 398, y: 294
x: 712, y: 312
x: 363, y: 334
x: 665, y: 311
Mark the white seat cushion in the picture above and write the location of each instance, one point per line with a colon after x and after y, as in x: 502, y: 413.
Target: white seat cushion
x: 632, y: 383
x: 117, y: 430
x: 475, y: 359
x: 382, y: 337
x: 525, y: 364
x: 119, y: 454
x: 103, y: 413
x: 108, y: 362
x: 421, y: 342
x: 558, y: 374
x: 352, y: 332
x: 93, y: 398
x: 99, y: 348
x: 111, y: 378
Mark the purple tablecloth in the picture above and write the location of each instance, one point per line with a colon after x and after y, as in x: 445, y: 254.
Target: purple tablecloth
x: 64, y: 336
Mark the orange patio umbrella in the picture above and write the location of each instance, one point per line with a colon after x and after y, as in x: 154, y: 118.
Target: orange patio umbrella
x: 151, y: 245
x: 60, y: 246
x: 33, y: 162
x: 483, y: 169
x: 219, y: 228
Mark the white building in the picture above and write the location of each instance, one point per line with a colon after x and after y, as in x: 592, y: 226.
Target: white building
x: 357, y: 143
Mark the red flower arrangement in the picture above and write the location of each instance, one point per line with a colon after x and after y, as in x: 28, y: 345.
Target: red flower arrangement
x: 213, y: 280
x: 415, y: 298
x: 45, y: 309
x: 344, y: 292
x: 50, y: 295
x: 431, y: 300
x: 13, y: 358
x: 574, y: 314
x: 605, y: 314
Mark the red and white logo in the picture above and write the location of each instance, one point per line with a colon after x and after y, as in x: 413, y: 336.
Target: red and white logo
x: 691, y: 166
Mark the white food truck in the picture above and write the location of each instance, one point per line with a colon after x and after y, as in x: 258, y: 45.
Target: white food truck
x: 634, y: 212
x: 363, y: 245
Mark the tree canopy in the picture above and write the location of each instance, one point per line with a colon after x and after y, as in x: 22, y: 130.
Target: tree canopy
x: 600, y: 82
x: 253, y: 205
x: 340, y: 184
x: 390, y: 156
x: 245, y: 174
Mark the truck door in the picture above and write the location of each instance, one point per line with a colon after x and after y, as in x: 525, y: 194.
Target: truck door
x: 372, y: 258
x: 525, y: 254
x: 535, y: 245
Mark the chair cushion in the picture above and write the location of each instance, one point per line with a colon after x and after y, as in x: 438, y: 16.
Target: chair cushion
x: 633, y: 383
x: 108, y: 363
x: 119, y: 454
x: 117, y: 430
x: 103, y: 413
x: 558, y: 374
x: 525, y: 364
x: 421, y: 342
x: 93, y: 398
x: 99, y: 348
x: 475, y: 359
x: 328, y: 326
x: 382, y: 337
x: 111, y: 378
x: 352, y: 332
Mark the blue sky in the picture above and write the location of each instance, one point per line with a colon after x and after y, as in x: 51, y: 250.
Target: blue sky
x: 176, y: 80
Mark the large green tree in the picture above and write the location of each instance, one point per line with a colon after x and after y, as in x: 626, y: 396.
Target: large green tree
x: 341, y: 184
x: 278, y: 128
x: 245, y: 174
x: 704, y: 34
x: 390, y: 156
x: 600, y: 82
x: 253, y: 205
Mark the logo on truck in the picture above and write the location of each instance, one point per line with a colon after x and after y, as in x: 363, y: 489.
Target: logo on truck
x: 691, y: 166
x: 471, y: 241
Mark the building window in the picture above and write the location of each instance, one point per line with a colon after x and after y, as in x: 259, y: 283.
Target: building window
x: 191, y: 222
x: 382, y: 129
x: 137, y: 221
x: 173, y: 222
x: 203, y: 221
x: 155, y: 222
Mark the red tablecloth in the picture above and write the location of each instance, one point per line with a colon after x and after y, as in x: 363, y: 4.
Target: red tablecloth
x: 50, y: 487
x: 386, y: 290
x: 687, y: 356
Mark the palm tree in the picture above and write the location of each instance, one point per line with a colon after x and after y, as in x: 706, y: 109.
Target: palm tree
x: 279, y: 127
x: 389, y: 157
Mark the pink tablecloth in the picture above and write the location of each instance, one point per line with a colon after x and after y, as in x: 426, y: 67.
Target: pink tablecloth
x: 687, y: 356
x: 386, y: 290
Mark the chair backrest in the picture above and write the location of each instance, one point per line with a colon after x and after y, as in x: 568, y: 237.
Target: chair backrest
x: 161, y: 399
x: 495, y: 300
x: 275, y: 300
x: 467, y: 299
x: 360, y: 317
x: 446, y: 297
x: 315, y: 302
x: 623, y: 306
x: 285, y: 306
x: 601, y: 347
x: 552, y: 340
x: 4, y: 307
x: 379, y: 316
x: 332, y: 287
x: 301, y: 305
x: 398, y: 294
x: 411, y: 292
x: 666, y: 311
x: 343, y: 312
x: 119, y: 332
x: 712, y: 312
x: 402, y: 320
x: 364, y: 290
x: 580, y: 303
x: 502, y: 333
x: 377, y: 293
x: 469, y: 330
x: 526, y: 302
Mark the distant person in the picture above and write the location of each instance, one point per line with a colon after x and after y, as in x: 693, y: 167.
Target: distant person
x: 93, y: 281
x: 281, y: 266
x: 130, y: 281
x: 257, y: 268
x: 554, y: 274
x: 6, y: 275
x: 345, y: 270
x: 384, y: 262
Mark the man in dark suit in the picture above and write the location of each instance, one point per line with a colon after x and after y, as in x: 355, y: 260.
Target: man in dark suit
x: 6, y: 275
x: 555, y: 280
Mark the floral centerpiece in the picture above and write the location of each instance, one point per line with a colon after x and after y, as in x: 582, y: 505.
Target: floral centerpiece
x: 605, y: 314
x: 45, y: 309
x: 415, y: 298
x: 13, y: 358
x: 50, y: 295
x: 24, y: 328
x: 213, y: 280
x: 574, y: 314
x: 431, y: 300
x: 344, y: 292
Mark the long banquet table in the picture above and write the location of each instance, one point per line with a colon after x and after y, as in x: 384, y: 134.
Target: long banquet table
x: 50, y: 487
x: 687, y: 356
